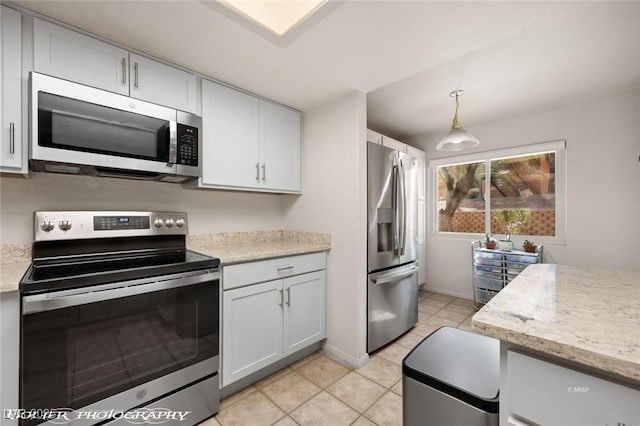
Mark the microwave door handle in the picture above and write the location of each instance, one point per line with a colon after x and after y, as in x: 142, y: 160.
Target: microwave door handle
x: 173, y: 143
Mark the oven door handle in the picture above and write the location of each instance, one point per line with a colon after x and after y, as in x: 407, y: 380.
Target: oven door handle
x: 50, y: 301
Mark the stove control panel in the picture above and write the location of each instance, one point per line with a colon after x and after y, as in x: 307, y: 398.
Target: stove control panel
x: 54, y: 225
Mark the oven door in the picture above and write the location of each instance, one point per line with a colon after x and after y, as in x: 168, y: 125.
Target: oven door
x: 118, y: 346
x: 76, y: 124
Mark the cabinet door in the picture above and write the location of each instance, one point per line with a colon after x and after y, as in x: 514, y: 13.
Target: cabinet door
x: 73, y: 56
x: 280, y: 135
x: 304, y: 313
x: 394, y: 144
x: 230, y: 125
x: 11, y: 112
x: 162, y: 84
x: 545, y: 393
x: 251, y: 329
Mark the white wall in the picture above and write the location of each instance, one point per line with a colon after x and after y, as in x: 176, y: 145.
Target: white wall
x: 603, y: 185
x: 334, y: 200
x: 208, y: 211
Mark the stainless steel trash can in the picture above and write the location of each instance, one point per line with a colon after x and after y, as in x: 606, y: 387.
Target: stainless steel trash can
x: 452, y: 378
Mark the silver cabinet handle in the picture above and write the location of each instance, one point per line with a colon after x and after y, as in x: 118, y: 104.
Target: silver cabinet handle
x: 135, y: 74
x: 258, y: 172
x: 12, y: 138
x: 264, y: 171
x: 288, y: 296
x: 123, y: 61
x: 281, y: 297
x: 285, y: 268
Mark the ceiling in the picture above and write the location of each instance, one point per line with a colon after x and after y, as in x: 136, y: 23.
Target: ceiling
x: 509, y: 57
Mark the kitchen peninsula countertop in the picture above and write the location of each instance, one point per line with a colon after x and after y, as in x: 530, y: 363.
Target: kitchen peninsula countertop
x: 585, y: 315
x: 240, y: 247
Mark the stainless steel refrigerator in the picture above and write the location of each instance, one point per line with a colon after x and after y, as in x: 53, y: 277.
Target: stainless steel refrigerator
x: 392, y: 267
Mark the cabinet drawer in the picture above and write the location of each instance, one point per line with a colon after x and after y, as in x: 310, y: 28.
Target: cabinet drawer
x: 485, y: 261
x: 549, y: 394
x: 488, y: 283
x: 266, y: 270
x: 521, y: 258
x: 487, y: 255
x: 484, y: 296
x: 488, y: 269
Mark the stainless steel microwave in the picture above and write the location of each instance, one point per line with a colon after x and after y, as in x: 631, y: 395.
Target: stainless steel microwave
x: 78, y: 129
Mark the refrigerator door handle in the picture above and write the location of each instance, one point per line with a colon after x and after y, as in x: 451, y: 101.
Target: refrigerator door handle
x: 403, y: 204
x: 395, y: 275
x: 394, y: 207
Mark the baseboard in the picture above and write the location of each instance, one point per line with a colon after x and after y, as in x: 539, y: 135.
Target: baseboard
x: 448, y: 292
x: 343, y: 357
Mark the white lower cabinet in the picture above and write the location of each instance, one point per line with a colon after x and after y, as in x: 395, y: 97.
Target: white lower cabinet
x: 265, y: 322
x: 545, y: 393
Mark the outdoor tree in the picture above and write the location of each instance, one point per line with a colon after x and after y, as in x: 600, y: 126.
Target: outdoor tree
x: 458, y: 180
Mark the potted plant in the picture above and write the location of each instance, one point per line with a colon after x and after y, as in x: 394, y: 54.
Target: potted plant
x: 529, y: 246
x: 513, y: 221
x: 489, y: 242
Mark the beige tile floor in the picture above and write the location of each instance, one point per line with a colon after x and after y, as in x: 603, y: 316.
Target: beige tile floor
x: 319, y: 391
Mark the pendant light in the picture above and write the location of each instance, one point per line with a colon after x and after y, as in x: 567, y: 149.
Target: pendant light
x: 457, y: 138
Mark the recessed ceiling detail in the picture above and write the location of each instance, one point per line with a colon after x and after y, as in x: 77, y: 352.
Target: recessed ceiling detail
x: 277, y: 16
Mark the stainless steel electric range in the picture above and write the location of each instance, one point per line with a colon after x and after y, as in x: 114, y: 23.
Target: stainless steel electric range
x: 118, y: 316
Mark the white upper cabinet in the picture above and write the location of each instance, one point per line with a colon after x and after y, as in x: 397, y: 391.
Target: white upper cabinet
x: 231, y: 140
x: 280, y: 137
x: 67, y: 54
x: 248, y: 143
x: 162, y: 84
x: 11, y: 156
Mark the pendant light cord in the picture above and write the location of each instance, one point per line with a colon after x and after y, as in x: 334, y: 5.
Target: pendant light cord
x: 455, y: 124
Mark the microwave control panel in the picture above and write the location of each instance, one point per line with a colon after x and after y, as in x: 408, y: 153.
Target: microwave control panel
x: 187, y: 145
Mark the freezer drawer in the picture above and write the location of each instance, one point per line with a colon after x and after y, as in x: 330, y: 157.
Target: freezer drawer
x: 392, y: 304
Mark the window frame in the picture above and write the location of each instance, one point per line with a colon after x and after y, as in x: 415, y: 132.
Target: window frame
x: 558, y: 146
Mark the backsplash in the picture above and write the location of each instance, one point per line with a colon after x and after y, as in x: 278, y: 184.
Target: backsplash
x: 256, y: 238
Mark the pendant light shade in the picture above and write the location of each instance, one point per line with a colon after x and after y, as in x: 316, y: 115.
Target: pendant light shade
x: 457, y: 138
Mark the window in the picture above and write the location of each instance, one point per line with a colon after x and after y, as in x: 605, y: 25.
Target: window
x: 518, y: 191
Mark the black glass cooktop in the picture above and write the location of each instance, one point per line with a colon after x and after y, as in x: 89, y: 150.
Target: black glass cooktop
x: 81, y: 271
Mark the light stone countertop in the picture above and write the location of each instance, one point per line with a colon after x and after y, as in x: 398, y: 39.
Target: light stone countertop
x: 240, y: 247
x: 231, y: 247
x: 585, y: 315
x: 14, y: 262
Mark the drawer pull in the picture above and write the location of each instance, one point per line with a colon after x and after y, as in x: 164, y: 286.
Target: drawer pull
x: 284, y: 268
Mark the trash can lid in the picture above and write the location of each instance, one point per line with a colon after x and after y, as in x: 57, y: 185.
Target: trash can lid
x: 460, y: 363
